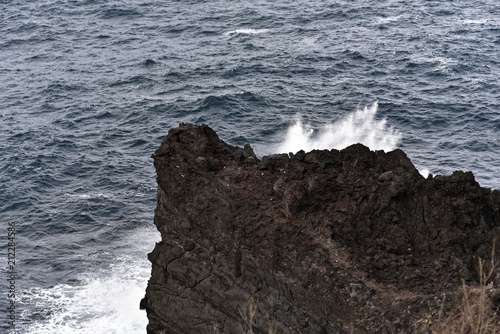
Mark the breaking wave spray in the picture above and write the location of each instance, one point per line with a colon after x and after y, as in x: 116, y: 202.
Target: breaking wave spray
x: 357, y: 127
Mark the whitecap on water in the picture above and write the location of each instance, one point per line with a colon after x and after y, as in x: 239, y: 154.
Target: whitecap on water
x: 385, y: 20
x: 90, y: 195
x: 475, y: 21
x: 360, y: 126
x: 442, y: 63
x: 247, y: 31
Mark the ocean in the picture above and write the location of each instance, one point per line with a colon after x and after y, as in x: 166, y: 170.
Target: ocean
x: 88, y: 89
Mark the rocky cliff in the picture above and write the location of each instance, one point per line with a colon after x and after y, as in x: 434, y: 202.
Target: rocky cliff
x: 350, y: 241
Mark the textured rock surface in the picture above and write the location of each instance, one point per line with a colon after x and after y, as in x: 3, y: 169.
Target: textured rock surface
x: 322, y: 242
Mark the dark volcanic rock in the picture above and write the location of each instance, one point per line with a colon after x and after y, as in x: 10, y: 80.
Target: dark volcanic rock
x: 350, y: 241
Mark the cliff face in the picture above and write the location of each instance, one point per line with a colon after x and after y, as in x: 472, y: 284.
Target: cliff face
x: 320, y: 242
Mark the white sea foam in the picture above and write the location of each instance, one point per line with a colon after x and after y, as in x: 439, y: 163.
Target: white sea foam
x: 245, y: 32
x: 90, y: 195
x: 357, y: 127
x: 107, y: 301
x: 385, y: 20
x: 442, y: 63
x: 94, y: 195
x: 475, y: 21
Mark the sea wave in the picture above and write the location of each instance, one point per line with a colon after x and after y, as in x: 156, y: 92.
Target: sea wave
x: 246, y: 31
x: 360, y: 126
x: 104, y: 300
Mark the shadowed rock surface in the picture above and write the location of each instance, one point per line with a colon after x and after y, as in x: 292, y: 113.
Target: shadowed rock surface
x: 350, y: 241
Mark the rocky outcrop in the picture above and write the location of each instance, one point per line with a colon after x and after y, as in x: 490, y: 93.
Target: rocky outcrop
x: 350, y: 241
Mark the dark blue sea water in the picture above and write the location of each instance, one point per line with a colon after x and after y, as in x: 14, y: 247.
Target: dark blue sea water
x: 89, y: 88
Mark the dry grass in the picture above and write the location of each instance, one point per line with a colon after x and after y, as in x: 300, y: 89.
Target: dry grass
x: 247, y: 314
x: 474, y: 315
